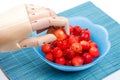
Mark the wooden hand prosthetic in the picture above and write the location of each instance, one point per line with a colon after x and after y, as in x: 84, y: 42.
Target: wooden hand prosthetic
x: 20, y: 21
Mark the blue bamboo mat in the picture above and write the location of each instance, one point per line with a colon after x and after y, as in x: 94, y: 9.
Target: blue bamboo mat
x: 26, y: 64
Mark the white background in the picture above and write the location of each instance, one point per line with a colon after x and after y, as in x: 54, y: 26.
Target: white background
x: 111, y: 7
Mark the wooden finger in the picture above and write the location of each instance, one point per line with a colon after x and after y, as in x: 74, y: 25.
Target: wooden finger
x: 61, y: 22
x: 36, y: 12
x: 37, y: 41
x: 51, y: 21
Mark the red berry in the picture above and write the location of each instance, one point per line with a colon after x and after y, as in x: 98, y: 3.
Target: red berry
x: 54, y: 43
x: 60, y: 34
x: 71, y: 39
x: 76, y: 47
x: 68, y: 62
x: 60, y: 60
x: 85, y: 35
x: 49, y: 56
x: 77, y: 30
x: 57, y: 52
x: 77, y: 38
x: 77, y: 61
x: 93, y: 44
x: 71, y: 29
x: 85, y: 45
x: 46, y: 48
x: 87, y: 58
x: 90, y: 41
x: 69, y: 54
x: 62, y: 44
x: 94, y: 52
x: 59, y: 43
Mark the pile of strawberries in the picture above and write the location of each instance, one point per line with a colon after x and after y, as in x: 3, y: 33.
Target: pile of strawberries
x: 75, y: 49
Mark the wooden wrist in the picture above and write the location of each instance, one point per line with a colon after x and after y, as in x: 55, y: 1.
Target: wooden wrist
x: 14, y: 26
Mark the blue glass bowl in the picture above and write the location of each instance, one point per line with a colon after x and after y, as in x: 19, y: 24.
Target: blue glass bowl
x: 98, y: 35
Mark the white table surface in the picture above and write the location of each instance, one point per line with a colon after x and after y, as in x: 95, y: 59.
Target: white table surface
x: 111, y: 7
